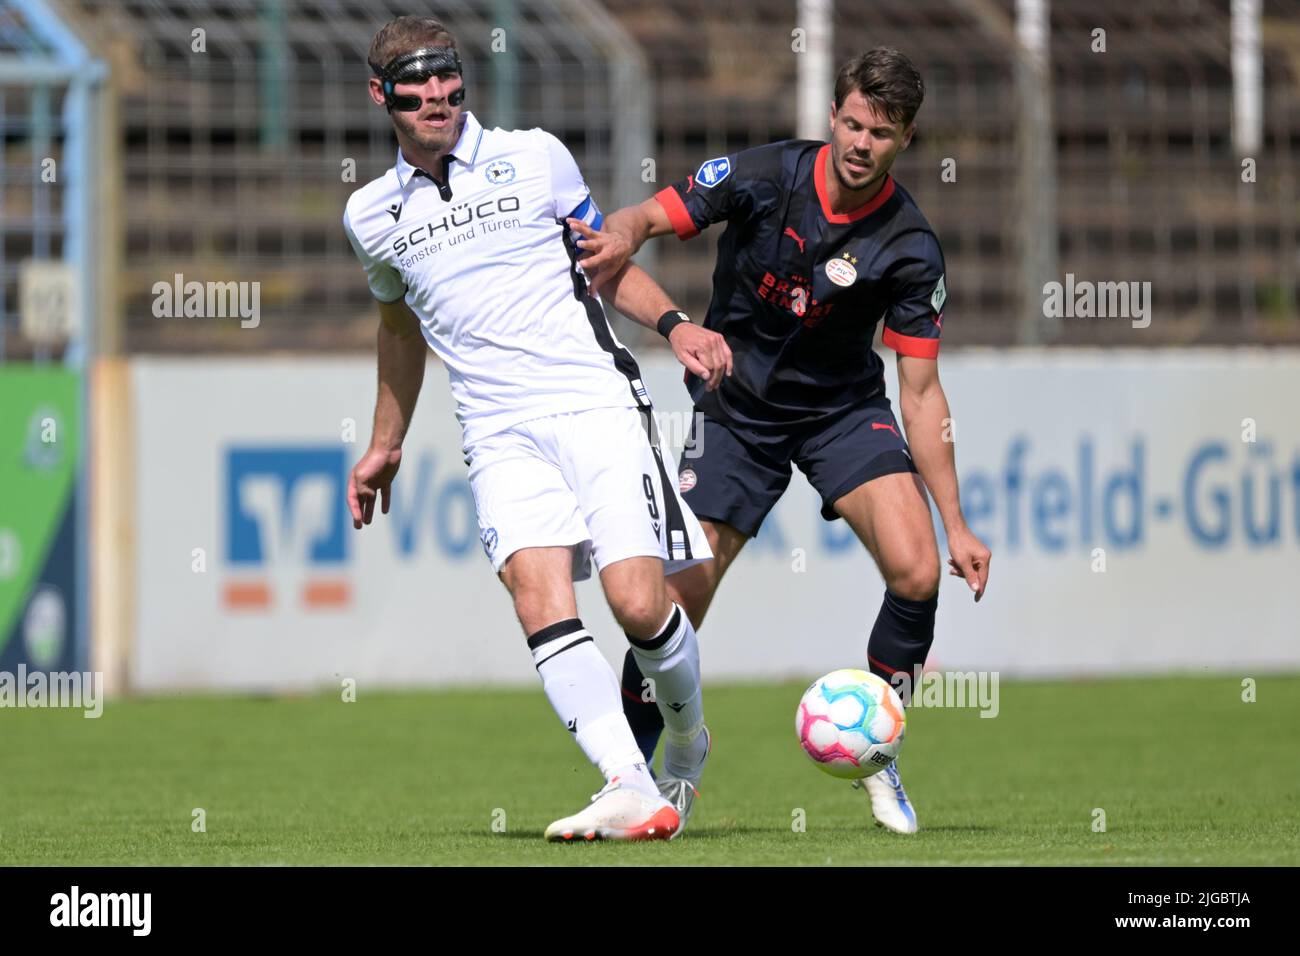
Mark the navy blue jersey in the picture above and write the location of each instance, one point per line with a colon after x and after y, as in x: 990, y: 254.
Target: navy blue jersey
x: 798, y: 290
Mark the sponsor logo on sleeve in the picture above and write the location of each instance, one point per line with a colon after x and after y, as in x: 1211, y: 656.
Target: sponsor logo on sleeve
x: 939, y: 297
x: 713, y: 172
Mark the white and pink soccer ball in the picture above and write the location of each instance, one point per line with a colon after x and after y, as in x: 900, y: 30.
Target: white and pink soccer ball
x: 851, y: 723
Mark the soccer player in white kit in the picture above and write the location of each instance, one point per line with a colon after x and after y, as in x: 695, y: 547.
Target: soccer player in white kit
x: 465, y: 247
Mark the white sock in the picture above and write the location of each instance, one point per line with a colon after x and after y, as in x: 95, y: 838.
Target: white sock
x: 582, y: 688
x: 672, y: 660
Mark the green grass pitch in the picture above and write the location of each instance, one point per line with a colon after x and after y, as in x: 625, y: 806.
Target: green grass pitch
x: 1186, y: 772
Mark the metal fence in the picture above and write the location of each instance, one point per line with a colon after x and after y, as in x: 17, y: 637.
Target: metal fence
x: 232, y: 155
x: 246, y: 125
x: 49, y: 89
x: 1147, y: 185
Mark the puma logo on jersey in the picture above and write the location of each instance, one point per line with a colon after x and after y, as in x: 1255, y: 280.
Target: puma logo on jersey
x: 795, y: 236
x: 882, y: 427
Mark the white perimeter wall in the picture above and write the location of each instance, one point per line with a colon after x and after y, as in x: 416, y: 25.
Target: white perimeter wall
x: 1140, y: 454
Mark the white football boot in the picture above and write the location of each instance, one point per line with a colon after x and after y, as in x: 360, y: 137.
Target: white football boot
x: 682, y: 792
x: 889, y: 803
x: 618, y: 813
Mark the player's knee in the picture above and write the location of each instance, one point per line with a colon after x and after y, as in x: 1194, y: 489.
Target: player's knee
x: 918, y: 582
x: 641, y: 613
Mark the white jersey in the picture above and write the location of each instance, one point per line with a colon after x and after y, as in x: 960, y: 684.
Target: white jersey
x: 492, y: 277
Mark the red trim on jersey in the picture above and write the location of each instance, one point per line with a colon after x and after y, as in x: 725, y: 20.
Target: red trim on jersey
x: 912, y: 345
x: 866, y: 209
x: 681, y: 220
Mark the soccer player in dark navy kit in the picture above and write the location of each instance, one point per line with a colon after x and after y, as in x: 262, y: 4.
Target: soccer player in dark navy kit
x: 820, y: 243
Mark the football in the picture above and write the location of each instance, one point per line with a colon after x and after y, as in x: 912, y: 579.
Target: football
x: 850, y: 723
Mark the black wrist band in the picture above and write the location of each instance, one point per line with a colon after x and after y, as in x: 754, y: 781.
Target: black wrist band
x: 669, y: 321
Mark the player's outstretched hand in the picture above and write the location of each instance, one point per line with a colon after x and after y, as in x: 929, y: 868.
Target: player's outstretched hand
x: 704, y: 353
x: 969, y: 559
x: 604, y: 253
x: 372, y: 476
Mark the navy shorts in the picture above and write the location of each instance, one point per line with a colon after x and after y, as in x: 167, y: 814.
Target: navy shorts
x: 735, y: 474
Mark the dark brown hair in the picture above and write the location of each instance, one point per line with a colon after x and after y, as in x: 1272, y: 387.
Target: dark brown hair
x: 887, y: 79
x: 406, y: 35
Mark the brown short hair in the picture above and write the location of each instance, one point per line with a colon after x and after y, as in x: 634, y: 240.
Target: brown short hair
x: 406, y: 35
x: 887, y: 79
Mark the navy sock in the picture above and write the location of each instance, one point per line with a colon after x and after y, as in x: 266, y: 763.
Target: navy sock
x: 901, y: 639
x: 642, y: 715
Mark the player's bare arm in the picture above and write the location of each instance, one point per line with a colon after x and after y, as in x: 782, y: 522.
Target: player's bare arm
x: 621, y: 235
x: 402, y: 353
x: 927, y: 421
x: 641, y: 299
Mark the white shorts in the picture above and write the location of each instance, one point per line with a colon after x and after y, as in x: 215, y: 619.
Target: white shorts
x: 590, y: 479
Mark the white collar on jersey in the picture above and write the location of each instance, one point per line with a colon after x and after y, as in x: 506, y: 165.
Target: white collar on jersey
x: 465, y: 150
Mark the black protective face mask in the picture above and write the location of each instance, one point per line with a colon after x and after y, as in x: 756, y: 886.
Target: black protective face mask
x: 417, y: 68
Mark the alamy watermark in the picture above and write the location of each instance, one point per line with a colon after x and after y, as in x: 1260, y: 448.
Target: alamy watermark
x: 684, y: 430
x: 978, y: 689
x: 208, y: 300
x: 63, y: 689
x: 133, y: 911
x: 1082, y: 299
